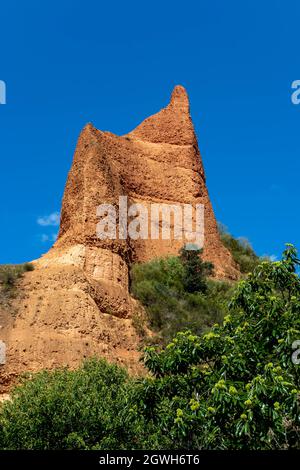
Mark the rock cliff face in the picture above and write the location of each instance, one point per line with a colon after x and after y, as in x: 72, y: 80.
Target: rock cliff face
x: 158, y: 162
x: 76, y: 302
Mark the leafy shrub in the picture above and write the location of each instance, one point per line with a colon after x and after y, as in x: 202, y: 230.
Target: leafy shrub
x: 233, y: 387
x: 171, y: 296
x: 236, y: 386
x: 64, y: 409
x: 195, y: 270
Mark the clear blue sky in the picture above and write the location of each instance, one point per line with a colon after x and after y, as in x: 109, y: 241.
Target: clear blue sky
x: 66, y: 63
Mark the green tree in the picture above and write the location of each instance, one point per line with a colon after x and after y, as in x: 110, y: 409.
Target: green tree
x: 236, y: 386
x: 195, y: 270
x: 89, y: 408
x: 233, y: 387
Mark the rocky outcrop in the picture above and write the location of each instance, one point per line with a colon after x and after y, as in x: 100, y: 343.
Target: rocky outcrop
x: 158, y: 162
x: 76, y: 302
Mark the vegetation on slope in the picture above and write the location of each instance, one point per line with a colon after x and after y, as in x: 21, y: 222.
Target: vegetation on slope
x: 233, y: 387
x: 241, y: 250
x: 177, y: 294
x: 9, y: 274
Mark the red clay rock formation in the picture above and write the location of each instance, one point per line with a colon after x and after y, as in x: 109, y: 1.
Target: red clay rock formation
x: 157, y: 162
x: 70, y: 303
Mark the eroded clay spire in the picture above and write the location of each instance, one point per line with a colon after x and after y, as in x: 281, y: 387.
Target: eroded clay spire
x: 171, y: 125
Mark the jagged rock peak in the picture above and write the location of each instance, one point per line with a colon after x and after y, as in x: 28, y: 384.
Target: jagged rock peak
x: 171, y: 125
x: 180, y: 99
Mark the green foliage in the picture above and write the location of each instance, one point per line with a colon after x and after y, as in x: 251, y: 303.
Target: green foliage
x: 241, y: 250
x: 139, y: 323
x: 10, y: 273
x: 85, y: 409
x: 233, y: 387
x: 236, y: 386
x: 175, y: 298
x: 195, y: 270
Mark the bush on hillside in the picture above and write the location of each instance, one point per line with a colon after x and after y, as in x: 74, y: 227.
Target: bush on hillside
x: 90, y: 408
x: 233, y: 387
x: 173, y: 296
x: 241, y: 250
x: 10, y: 273
x: 196, y: 270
